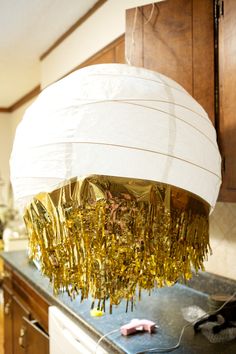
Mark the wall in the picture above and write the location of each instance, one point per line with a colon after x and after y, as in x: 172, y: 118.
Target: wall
x: 105, y: 25
x: 223, y: 240
x: 5, y: 149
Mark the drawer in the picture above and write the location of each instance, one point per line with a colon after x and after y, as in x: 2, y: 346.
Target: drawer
x: 33, y: 338
x: 32, y: 298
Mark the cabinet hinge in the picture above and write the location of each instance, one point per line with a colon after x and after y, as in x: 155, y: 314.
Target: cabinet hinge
x: 219, y: 8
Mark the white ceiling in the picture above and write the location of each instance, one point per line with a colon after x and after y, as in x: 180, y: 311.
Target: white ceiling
x: 27, y: 29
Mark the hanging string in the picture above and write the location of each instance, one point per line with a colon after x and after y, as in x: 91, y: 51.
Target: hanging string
x: 129, y: 57
x: 151, y: 14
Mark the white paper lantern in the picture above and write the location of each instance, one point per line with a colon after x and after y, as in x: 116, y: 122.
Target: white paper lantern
x: 147, y: 164
x: 116, y: 120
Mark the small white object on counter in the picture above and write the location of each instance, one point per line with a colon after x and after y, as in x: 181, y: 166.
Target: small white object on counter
x: 13, y: 241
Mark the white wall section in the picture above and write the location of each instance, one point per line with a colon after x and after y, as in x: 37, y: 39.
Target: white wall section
x: 104, y: 26
x: 5, y: 149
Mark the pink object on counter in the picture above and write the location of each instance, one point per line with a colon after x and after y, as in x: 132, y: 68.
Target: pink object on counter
x: 137, y: 325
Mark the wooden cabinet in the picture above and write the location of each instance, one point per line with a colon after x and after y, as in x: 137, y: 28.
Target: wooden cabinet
x: 25, y: 317
x: 227, y: 95
x: 194, y: 43
x: 176, y: 38
x: 8, y: 332
x: 112, y: 53
x: 35, y: 339
x: 18, y: 312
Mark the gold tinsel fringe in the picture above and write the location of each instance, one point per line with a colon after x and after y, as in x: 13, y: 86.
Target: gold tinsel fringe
x: 107, y: 236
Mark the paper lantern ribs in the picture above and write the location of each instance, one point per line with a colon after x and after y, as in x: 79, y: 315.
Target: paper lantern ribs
x: 117, y: 168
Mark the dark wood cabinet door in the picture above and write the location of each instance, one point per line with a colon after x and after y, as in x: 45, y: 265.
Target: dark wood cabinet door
x: 176, y: 38
x: 36, y: 340
x: 227, y: 94
x: 18, y: 330
x: 22, y: 334
x: 7, y: 320
x: 112, y: 53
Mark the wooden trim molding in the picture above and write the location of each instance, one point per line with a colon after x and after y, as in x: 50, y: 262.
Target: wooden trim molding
x: 78, y: 23
x: 4, y: 110
x: 35, y: 92
x: 21, y: 101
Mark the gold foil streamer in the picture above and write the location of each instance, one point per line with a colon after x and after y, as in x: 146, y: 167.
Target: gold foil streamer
x: 107, y: 236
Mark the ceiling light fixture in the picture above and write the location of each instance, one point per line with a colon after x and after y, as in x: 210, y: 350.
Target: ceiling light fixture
x: 118, y: 168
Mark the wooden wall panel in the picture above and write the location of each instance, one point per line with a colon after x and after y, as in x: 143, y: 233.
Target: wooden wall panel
x: 106, y: 57
x: 134, y: 37
x: 168, y: 40
x: 227, y: 122
x: 120, y: 51
x: 112, y: 53
x: 174, y: 38
x: 203, y: 55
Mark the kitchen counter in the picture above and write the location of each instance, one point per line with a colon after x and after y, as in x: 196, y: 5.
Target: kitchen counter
x: 165, y: 307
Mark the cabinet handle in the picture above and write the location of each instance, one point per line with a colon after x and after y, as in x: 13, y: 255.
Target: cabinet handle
x: 7, y: 308
x: 22, y: 337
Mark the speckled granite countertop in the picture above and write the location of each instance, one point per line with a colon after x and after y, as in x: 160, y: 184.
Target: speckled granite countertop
x: 164, y: 307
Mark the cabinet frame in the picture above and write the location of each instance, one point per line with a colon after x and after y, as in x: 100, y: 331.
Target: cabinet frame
x: 25, y: 316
